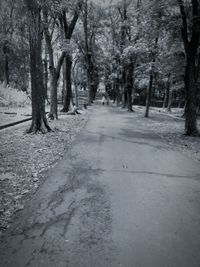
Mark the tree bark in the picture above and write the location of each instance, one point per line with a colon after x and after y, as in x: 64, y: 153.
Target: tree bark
x: 124, y: 89
x: 88, y: 56
x: 64, y: 80
x: 68, y: 31
x: 169, y: 106
x: 166, y: 99
x: 68, y: 91
x: 130, y: 87
x: 149, y: 90
x: 76, y: 94
x: 129, y: 82
x: 6, y: 65
x: 168, y: 96
x: 54, y: 71
x: 191, y: 51
x: 45, y: 64
x: 190, y: 110
x: 118, y: 97
x: 190, y: 82
x: 39, y: 121
x: 148, y: 98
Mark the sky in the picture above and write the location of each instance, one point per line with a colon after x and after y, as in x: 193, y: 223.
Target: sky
x: 104, y: 2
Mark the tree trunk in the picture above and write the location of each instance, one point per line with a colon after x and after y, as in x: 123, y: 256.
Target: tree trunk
x: 89, y: 82
x: 129, y: 82
x: 64, y: 81
x: 6, y: 64
x: 45, y: 61
x: 88, y: 56
x: 76, y: 94
x: 169, y: 106
x: 169, y: 94
x: 53, y: 95
x: 149, y: 91
x: 117, y: 88
x: 148, y: 99
x: 190, y: 82
x: 191, y: 50
x: 68, y: 31
x: 54, y: 77
x: 39, y: 121
x: 68, y: 91
x: 166, y: 99
x: 129, y: 99
x: 190, y: 109
x: 6, y: 80
x: 114, y: 91
x: 124, y: 89
x: 54, y: 71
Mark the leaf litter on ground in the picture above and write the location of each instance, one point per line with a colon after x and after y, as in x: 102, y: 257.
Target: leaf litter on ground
x: 25, y: 158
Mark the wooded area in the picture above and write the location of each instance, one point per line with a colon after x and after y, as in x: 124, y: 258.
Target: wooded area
x: 145, y: 52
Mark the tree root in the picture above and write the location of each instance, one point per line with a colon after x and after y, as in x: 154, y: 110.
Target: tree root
x: 39, y: 127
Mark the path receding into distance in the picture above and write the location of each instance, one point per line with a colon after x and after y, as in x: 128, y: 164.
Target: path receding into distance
x: 121, y: 196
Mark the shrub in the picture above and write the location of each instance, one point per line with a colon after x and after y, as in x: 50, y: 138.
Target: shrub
x: 11, y: 97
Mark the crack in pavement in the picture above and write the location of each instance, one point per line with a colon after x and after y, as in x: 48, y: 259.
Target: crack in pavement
x: 58, y: 196
x: 32, y: 258
x: 196, y: 176
x: 44, y: 226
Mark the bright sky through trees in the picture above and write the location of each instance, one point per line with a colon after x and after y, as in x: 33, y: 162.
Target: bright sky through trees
x: 105, y: 2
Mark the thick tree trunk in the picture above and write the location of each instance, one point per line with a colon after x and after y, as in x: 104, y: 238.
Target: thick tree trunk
x: 54, y: 77
x: 191, y: 83
x: 39, y: 121
x: 54, y: 71
x: 190, y: 109
x: 191, y: 49
x: 68, y: 31
x: 68, y: 91
x: 89, y: 42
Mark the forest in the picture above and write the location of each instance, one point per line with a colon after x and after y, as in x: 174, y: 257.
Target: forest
x: 145, y: 52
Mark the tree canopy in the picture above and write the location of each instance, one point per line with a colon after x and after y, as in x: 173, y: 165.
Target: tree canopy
x: 144, y: 51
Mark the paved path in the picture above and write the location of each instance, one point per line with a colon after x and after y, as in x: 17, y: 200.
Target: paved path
x: 120, y: 197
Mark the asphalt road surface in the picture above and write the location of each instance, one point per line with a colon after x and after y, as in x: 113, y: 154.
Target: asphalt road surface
x: 120, y: 197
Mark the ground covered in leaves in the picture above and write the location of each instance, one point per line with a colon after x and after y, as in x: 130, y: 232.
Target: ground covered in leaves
x: 170, y: 126
x: 26, y: 157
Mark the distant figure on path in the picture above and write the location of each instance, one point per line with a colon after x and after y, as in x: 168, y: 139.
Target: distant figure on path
x: 103, y: 100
